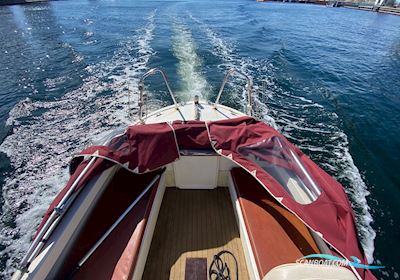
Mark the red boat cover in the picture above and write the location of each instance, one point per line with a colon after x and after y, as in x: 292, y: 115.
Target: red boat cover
x: 243, y: 140
x: 142, y: 148
x: 255, y: 146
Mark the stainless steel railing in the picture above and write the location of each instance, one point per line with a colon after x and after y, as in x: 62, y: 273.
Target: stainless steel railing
x: 53, y: 221
x: 153, y: 71
x: 142, y: 96
x: 249, y: 105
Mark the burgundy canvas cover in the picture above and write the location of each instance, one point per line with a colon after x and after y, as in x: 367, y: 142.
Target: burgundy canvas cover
x: 330, y: 215
x: 142, y: 148
x: 191, y: 135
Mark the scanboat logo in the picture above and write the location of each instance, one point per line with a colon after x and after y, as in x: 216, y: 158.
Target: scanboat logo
x: 325, y: 259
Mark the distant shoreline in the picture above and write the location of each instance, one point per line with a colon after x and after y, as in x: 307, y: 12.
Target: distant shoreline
x: 382, y: 9
x: 18, y: 2
x: 344, y: 4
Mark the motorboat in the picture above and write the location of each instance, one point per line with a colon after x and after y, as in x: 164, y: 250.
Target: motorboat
x: 196, y: 190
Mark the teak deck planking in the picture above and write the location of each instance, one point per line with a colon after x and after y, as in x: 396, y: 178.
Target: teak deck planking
x: 193, y: 224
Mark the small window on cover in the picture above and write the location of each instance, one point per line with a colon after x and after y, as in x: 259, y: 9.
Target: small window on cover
x: 283, y: 164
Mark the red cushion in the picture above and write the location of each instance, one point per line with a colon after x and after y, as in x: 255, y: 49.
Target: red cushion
x: 276, y: 235
x: 116, y: 256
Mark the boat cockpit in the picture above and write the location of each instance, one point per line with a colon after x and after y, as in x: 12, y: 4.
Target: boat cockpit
x: 188, y: 192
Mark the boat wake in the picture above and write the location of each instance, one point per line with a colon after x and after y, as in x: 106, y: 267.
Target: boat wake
x: 192, y: 81
x: 46, y: 134
x: 304, y: 122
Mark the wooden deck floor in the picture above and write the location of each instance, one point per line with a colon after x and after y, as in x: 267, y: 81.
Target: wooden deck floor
x: 193, y: 224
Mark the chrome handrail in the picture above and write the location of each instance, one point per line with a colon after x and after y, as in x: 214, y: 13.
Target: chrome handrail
x: 113, y: 226
x: 141, y: 89
x: 53, y: 220
x: 249, y: 106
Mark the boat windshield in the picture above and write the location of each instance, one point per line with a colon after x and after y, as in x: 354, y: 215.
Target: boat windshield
x: 283, y: 164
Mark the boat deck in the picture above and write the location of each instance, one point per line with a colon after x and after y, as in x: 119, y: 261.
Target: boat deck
x: 187, y: 111
x: 193, y: 224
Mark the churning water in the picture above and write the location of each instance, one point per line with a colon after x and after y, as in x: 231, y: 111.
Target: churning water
x: 327, y: 78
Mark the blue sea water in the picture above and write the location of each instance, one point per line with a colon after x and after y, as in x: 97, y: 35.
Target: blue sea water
x: 327, y: 78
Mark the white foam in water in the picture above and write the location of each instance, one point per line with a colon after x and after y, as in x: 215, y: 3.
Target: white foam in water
x: 227, y: 53
x: 295, y: 116
x: 41, y: 145
x: 189, y: 64
x: 358, y: 192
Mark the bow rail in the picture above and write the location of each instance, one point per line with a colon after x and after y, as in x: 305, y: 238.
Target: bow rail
x: 249, y: 105
x: 153, y: 71
x: 142, y: 96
